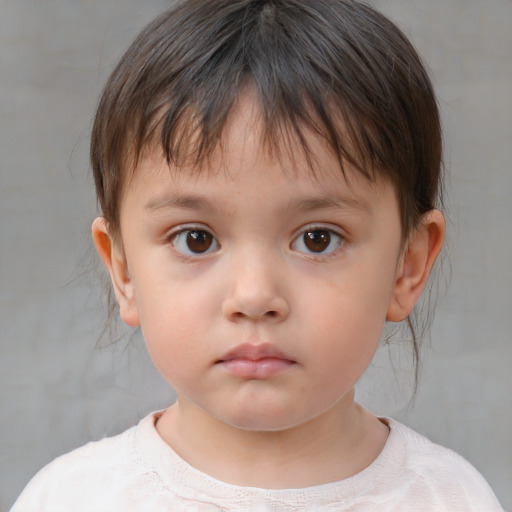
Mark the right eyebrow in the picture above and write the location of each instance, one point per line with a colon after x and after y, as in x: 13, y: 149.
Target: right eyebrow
x: 178, y: 201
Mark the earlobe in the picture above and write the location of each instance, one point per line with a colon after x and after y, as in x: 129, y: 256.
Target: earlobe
x: 416, y: 264
x: 114, y: 259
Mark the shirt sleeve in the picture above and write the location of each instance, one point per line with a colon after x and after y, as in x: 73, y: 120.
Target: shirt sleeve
x: 33, y: 496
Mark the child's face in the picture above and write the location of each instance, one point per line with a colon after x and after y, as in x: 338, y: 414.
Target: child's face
x: 261, y: 294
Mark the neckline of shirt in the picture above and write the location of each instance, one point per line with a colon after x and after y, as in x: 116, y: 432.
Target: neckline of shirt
x: 180, y: 478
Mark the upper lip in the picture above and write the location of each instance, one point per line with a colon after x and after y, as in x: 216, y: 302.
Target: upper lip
x: 255, y: 352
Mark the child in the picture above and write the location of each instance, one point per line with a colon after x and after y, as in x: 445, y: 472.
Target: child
x: 268, y: 175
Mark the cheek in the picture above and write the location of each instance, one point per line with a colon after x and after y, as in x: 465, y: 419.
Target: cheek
x: 179, y: 316
x: 174, y: 332
x: 345, y: 349
x: 354, y: 303
x: 346, y: 318
x: 175, y: 352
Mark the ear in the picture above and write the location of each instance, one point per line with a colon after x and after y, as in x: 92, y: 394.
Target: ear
x: 112, y: 254
x: 421, y: 252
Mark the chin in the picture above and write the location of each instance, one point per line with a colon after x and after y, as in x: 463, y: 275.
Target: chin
x: 265, y: 421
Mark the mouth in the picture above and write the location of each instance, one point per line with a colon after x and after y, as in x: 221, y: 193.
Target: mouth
x: 255, y: 361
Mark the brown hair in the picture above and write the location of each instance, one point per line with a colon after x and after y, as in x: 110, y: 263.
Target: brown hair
x: 313, y: 63
x: 320, y: 65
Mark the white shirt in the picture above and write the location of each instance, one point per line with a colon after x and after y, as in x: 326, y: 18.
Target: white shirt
x: 138, y: 471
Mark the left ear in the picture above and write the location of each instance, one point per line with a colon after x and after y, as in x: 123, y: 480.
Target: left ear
x: 423, y: 247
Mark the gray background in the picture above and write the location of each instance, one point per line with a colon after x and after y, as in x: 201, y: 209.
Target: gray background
x: 58, y: 391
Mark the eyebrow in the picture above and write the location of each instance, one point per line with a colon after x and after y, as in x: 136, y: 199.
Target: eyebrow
x: 199, y: 203
x: 182, y: 202
x: 327, y: 201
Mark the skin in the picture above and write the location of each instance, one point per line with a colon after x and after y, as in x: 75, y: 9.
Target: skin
x: 259, y: 283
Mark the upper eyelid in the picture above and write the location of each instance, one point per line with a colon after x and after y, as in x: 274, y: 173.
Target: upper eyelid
x: 192, y: 226
x: 319, y: 226
x: 173, y: 232
x: 313, y: 226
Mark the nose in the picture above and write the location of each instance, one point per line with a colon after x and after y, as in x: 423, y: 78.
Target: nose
x: 256, y: 292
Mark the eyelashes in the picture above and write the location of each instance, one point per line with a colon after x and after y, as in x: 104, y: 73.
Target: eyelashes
x: 197, y: 241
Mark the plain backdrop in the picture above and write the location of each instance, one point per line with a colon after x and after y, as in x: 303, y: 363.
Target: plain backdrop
x: 58, y: 391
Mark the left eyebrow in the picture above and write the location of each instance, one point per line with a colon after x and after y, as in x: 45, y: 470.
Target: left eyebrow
x: 329, y: 201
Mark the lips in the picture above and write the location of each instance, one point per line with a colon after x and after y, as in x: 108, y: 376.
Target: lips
x: 255, y: 361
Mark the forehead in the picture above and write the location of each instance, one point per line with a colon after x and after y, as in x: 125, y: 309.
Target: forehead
x: 246, y: 143
x: 243, y: 173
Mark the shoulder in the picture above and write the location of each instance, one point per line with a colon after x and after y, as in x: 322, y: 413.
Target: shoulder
x: 86, y: 477
x: 440, y: 476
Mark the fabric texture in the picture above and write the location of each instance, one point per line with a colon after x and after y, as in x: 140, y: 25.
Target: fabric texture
x: 138, y: 471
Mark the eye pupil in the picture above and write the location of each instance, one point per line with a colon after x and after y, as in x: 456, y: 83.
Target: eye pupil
x: 199, y: 241
x: 318, y: 240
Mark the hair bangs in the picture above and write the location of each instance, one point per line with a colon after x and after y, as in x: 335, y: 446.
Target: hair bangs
x: 337, y: 69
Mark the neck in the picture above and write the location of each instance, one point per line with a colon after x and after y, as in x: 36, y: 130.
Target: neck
x: 336, y: 445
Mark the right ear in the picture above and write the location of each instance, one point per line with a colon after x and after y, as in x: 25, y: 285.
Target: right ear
x: 113, y: 256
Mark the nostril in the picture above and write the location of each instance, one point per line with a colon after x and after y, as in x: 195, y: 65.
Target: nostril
x: 257, y: 308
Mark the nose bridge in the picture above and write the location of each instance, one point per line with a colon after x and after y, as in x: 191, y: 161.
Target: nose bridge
x: 255, y: 287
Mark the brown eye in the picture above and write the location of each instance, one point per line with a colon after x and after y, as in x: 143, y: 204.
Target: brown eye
x: 199, y: 241
x: 192, y: 242
x: 317, y: 241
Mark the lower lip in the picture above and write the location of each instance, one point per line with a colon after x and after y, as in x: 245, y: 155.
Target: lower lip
x: 260, y: 369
